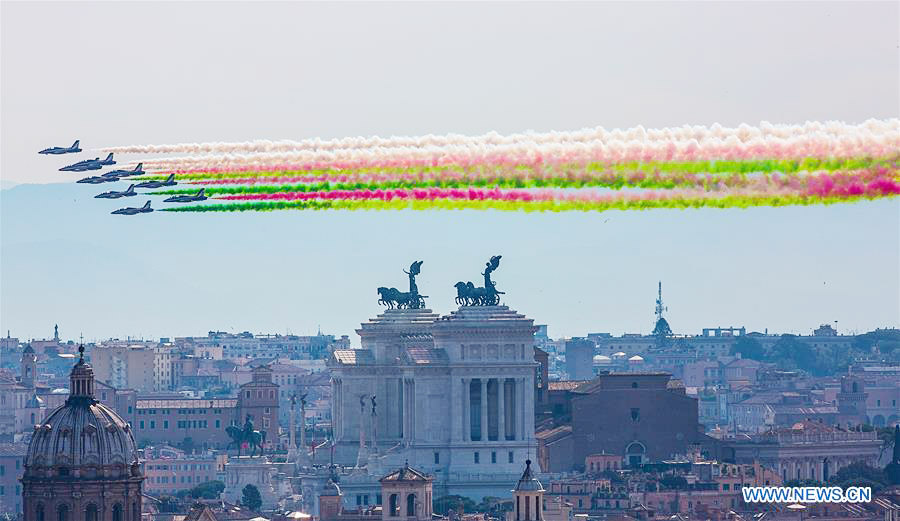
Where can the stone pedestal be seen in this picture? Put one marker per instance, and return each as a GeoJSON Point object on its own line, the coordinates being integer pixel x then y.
{"type": "Point", "coordinates": [251, 470]}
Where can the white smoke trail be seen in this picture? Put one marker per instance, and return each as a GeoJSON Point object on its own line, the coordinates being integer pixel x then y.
{"type": "Point", "coordinates": [879, 141]}
{"type": "Point", "coordinates": [743, 133]}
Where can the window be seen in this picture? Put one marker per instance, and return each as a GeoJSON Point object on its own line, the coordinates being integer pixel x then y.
{"type": "Point", "coordinates": [437, 458]}
{"type": "Point", "coordinates": [39, 512]}
{"type": "Point", "coordinates": [62, 513]}
{"type": "Point", "coordinates": [510, 456]}
{"type": "Point", "coordinates": [165, 424]}
{"type": "Point", "coordinates": [476, 457]}
{"type": "Point", "coordinates": [90, 513]}
{"type": "Point", "coordinates": [218, 424]}
{"type": "Point", "coordinates": [142, 424]}
{"type": "Point", "coordinates": [411, 505]}
{"type": "Point", "coordinates": [493, 456]}
{"type": "Point", "coordinates": [152, 424]}
{"type": "Point", "coordinates": [635, 414]}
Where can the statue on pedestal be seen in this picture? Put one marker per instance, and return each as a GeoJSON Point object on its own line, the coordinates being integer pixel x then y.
{"type": "Point", "coordinates": [469, 295]}
{"type": "Point", "coordinates": [253, 438]}
{"type": "Point", "coordinates": [392, 297]}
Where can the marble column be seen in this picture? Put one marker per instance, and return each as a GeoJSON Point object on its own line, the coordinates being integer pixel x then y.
{"type": "Point", "coordinates": [484, 410]}
{"type": "Point", "coordinates": [501, 409]}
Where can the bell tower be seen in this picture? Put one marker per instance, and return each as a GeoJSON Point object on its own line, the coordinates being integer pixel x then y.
{"type": "Point", "coordinates": [528, 498]}
{"type": "Point", "coordinates": [29, 367]}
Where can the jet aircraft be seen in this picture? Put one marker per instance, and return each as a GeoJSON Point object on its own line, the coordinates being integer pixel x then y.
{"type": "Point", "coordinates": [62, 150]}
{"type": "Point", "coordinates": [132, 211]}
{"type": "Point", "coordinates": [170, 181]}
{"type": "Point", "coordinates": [97, 179]}
{"type": "Point", "coordinates": [138, 170]}
{"type": "Point", "coordinates": [115, 195]}
{"type": "Point", "coordinates": [187, 198]}
{"type": "Point", "coordinates": [82, 166]}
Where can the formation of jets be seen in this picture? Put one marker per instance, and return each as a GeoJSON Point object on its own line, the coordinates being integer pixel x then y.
{"type": "Point", "coordinates": [117, 175]}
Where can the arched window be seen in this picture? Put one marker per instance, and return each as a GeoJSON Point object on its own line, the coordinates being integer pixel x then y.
{"type": "Point", "coordinates": [393, 507]}
{"type": "Point", "coordinates": [411, 505]}
{"type": "Point", "coordinates": [635, 453]}
{"type": "Point", "coordinates": [537, 508]}
{"type": "Point", "coordinates": [117, 512]}
{"type": "Point", "coordinates": [90, 513]}
{"type": "Point", "coordinates": [527, 510]}
{"type": "Point", "coordinates": [39, 513]}
{"type": "Point", "coordinates": [62, 513]}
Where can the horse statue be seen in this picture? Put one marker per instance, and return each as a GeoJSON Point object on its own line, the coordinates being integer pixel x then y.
{"type": "Point", "coordinates": [253, 438]}
{"type": "Point", "coordinates": [394, 298]}
{"type": "Point", "coordinates": [469, 295]}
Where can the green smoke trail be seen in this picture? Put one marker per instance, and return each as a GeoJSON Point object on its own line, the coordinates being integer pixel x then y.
{"type": "Point", "coordinates": [532, 206]}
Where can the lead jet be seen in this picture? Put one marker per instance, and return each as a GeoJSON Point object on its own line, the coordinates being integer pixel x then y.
{"type": "Point", "coordinates": [62, 150]}
{"type": "Point", "coordinates": [170, 181]}
{"type": "Point", "coordinates": [138, 170]}
{"type": "Point", "coordinates": [132, 211]}
{"type": "Point", "coordinates": [187, 198]}
{"type": "Point", "coordinates": [97, 179]}
{"type": "Point", "coordinates": [115, 195]}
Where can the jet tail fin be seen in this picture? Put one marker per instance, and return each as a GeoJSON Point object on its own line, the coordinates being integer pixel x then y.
{"type": "Point", "coordinates": [201, 191]}
{"type": "Point", "coordinates": [109, 157]}
{"type": "Point", "coordinates": [147, 205]}
{"type": "Point", "coordinates": [139, 167]}
{"type": "Point", "coordinates": [171, 178]}
{"type": "Point", "coordinates": [75, 144]}
{"type": "Point", "coordinates": [130, 188]}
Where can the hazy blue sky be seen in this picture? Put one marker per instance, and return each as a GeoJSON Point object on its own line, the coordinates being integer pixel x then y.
{"type": "Point", "coordinates": [112, 73]}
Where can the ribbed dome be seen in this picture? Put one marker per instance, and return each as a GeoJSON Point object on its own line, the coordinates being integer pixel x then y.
{"type": "Point", "coordinates": [81, 436]}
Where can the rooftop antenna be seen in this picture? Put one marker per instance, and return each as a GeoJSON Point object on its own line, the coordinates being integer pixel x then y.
{"type": "Point", "coordinates": [659, 304]}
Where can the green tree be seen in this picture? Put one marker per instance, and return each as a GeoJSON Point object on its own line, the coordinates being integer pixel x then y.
{"type": "Point", "coordinates": [250, 497]}
{"type": "Point", "coordinates": [207, 490]}
{"type": "Point", "coordinates": [860, 475]}
{"type": "Point", "coordinates": [748, 347]}
{"type": "Point", "coordinates": [454, 502]}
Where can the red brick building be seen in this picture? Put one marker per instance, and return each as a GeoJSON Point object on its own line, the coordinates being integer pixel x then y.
{"type": "Point", "coordinates": [643, 417]}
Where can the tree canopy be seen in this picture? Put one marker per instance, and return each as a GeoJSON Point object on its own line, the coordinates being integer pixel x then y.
{"type": "Point", "coordinates": [251, 498]}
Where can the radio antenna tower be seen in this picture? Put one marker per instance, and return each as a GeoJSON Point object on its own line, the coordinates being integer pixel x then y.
{"type": "Point", "coordinates": [659, 304]}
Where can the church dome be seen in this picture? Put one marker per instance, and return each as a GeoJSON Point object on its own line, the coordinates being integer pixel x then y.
{"type": "Point", "coordinates": [82, 437]}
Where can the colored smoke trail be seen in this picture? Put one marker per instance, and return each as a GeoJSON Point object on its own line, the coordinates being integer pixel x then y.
{"type": "Point", "coordinates": [742, 133]}
{"type": "Point", "coordinates": [720, 183]}
{"type": "Point", "coordinates": [292, 173]}
{"type": "Point", "coordinates": [526, 206]}
{"type": "Point", "coordinates": [590, 169]}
